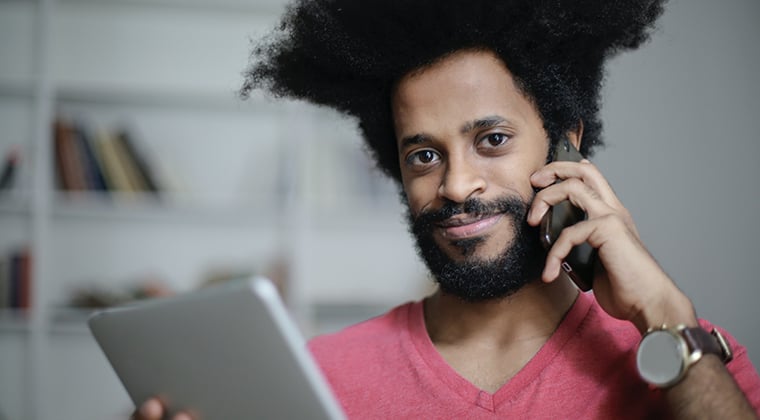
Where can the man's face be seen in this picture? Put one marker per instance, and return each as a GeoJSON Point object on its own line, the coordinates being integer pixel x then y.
{"type": "Point", "coordinates": [468, 142]}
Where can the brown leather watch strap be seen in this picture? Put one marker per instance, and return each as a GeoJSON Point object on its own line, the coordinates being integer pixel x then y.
{"type": "Point", "coordinates": [699, 339]}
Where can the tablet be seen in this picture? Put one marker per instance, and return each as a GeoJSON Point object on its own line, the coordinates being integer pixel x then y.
{"type": "Point", "coordinates": [223, 352]}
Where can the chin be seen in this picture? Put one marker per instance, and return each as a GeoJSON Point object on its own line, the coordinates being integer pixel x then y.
{"type": "Point", "coordinates": [492, 265]}
{"type": "Point", "coordinates": [479, 249]}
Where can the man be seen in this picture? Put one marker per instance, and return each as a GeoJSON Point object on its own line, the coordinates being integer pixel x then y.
{"type": "Point", "coordinates": [462, 104]}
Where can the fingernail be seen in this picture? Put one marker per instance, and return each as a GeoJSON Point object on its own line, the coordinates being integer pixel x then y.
{"type": "Point", "coordinates": [151, 409]}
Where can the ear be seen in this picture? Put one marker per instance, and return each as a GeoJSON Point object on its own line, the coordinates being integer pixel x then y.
{"type": "Point", "coordinates": [575, 136]}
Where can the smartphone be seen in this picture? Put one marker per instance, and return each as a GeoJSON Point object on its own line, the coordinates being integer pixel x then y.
{"type": "Point", "coordinates": [579, 263]}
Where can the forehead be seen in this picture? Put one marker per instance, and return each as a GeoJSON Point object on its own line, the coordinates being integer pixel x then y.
{"type": "Point", "coordinates": [464, 86]}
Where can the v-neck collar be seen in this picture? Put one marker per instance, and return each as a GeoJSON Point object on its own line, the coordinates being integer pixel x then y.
{"type": "Point", "coordinates": [474, 395]}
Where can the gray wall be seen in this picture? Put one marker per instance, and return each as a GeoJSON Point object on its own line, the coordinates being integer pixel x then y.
{"type": "Point", "coordinates": [682, 119]}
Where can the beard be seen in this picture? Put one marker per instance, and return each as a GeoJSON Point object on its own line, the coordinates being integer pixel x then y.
{"type": "Point", "coordinates": [473, 279]}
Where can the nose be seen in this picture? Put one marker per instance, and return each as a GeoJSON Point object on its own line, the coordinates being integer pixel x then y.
{"type": "Point", "coordinates": [461, 180]}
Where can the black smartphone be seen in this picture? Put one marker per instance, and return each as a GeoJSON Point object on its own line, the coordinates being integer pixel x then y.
{"type": "Point", "coordinates": [579, 264]}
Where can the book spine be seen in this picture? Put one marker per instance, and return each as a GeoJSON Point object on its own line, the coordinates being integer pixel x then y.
{"type": "Point", "coordinates": [25, 280]}
{"type": "Point", "coordinates": [137, 155]}
{"type": "Point", "coordinates": [68, 157]}
{"type": "Point", "coordinates": [14, 290]}
{"type": "Point", "coordinates": [92, 167]}
{"type": "Point", "coordinates": [9, 170]}
{"type": "Point", "coordinates": [115, 174]}
{"type": "Point", "coordinates": [135, 179]}
{"type": "Point", "coordinates": [59, 133]}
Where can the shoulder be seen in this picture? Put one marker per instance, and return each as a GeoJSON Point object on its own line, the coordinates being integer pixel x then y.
{"type": "Point", "coordinates": [361, 362]}
{"type": "Point", "coordinates": [364, 340]}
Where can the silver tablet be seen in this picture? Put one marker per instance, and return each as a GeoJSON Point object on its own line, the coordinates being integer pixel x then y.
{"type": "Point", "coordinates": [224, 352]}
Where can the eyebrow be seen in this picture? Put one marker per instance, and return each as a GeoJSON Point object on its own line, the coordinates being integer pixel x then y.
{"type": "Point", "coordinates": [482, 123]}
{"type": "Point", "coordinates": [478, 124]}
{"type": "Point", "coordinates": [414, 140]}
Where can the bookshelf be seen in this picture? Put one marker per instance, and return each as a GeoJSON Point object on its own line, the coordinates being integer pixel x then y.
{"type": "Point", "coordinates": [260, 182]}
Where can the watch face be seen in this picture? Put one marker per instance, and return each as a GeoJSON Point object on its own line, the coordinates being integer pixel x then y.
{"type": "Point", "coordinates": [660, 358]}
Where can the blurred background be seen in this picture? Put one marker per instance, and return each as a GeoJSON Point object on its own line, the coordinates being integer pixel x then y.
{"type": "Point", "coordinates": [130, 169]}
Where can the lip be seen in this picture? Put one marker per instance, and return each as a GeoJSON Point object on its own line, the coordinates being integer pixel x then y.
{"type": "Point", "coordinates": [467, 227]}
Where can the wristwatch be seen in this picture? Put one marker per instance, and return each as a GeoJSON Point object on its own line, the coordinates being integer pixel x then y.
{"type": "Point", "coordinates": [665, 354]}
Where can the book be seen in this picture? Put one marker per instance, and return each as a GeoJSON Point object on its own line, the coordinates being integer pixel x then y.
{"type": "Point", "coordinates": [68, 157]}
{"type": "Point", "coordinates": [14, 281]}
{"type": "Point", "coordinates": [92, 167]}
{"type": "Point", "coordinates": [8, 174]}
{"type": "Point", "coordinates": [24, 279]}
{"type": "Point", "coordinates": [107, 160]}
{"type": "Point", "coordinates": [17, 291]}
{"type": "Point", "coordinates": [115, 174]}
{"type": "Point", "coordinates": [140, 159]}
{"type": "Point", "coordinates": [134, 177]}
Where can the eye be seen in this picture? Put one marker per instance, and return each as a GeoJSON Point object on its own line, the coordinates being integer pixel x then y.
{"type": "Point", "coordinates": [422, 158]}
{"type": "Point", "coordinates": [494, 140]}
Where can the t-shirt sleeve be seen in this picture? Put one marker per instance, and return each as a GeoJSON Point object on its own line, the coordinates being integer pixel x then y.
{"type": "Point", "coordinates": [741, 368]}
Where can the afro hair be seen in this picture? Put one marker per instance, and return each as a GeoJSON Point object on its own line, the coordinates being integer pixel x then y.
{"type": "Point", "coordinates": [349, 54]}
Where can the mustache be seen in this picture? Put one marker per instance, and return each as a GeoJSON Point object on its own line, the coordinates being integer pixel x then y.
{"type": "Point", "coordinates": [508, 205]}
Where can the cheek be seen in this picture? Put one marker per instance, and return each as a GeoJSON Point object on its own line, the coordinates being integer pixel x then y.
{"type": "Point", "coordinates": [512, 177]}
{"type": "Point", "coordinates": [421, 192]}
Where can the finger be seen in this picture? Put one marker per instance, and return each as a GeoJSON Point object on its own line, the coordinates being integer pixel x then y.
{"type": "Point", "coordinates": [584, 170]}
{"type": "Point", "coordinates": [569, 238]}
{"type": "Point", "coordinates": [599, 233]}
{"type": "Point", "coordinates": [150, 410]}
{"type": "Point", "coordinates": [182, 416]}
{"type": "Point", "coordinates": [574, 190]}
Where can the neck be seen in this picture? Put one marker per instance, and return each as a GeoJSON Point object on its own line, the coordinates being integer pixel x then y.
{"type": "Point", "coordinates": [530, 315]}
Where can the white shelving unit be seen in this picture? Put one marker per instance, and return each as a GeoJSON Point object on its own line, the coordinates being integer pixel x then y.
{"type": "Point", "coordinates": [260, 181]}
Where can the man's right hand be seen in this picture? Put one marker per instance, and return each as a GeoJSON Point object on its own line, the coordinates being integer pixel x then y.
{"type": "Point", "coordinates": [152, 409]}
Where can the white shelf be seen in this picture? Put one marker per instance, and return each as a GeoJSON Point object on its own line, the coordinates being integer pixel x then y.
{"type": "Point", "coordinates": [140, 207]}
{"type": "Point", "coordinates": [70, 320]}
{"type": "Point", "coordinates": [63, 321]}
{"type": "Point", "coordinates": [178, 97]}
{"type": "Point", "coordinates": [14, 321]}
{"type": "Point", "coordinates": [17, 88]}
{"type": "Point", "coordinates": [151, 208]}
{"type": "Point", "coordinates": [254, 6]}
{"type": "Point", "coordinates": [14, 203]}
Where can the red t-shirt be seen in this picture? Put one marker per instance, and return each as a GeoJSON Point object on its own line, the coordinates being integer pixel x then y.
{"type": "Point", "coordinates": [387, 367]}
